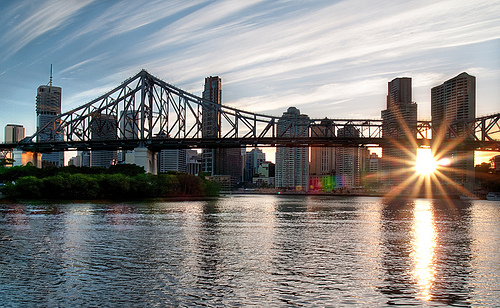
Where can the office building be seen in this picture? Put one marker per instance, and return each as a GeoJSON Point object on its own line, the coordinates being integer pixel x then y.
{"type": "Point", "coordinates": [322, 167]}
{"type": "Point", "coordinates": [103, 127]}
{"type": "Point", "coordinates": [292, 163]}
{"type": "Point", "coordinates": [399, 126]}
{"type": "Point", "coordinates": [453, 103]}
{"type": "Point", "coordinates": [48, 107]}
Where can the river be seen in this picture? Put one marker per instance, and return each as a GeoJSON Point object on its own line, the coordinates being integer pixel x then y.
{"type": "Point", "coordinates": [251, 251]}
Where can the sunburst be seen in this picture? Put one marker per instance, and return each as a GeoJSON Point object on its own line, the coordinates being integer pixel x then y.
{"type": "Point", "coordinates": [427, 169]}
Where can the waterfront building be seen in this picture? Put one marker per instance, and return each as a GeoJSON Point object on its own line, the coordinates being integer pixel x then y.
{"type": "Point", "coordinates": [253, 159]}
{"type": "Point", "coordinates": [348, 160]}
{"type": "Point", "coordinates": [48, 107]}
{"type": "Point", "coordinates": [453, 103]}
{"type": "Point", "coordinates": [292, 163]}
{"type": "Point", "coordinates": [103, 127]}
{"type": "Point", "coordinates": [399, 125]}
{"type": "Point", "coordinates": [322, 167]}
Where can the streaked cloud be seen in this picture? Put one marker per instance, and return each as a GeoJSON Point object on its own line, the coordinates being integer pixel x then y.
{"type": "Point", "coordinates": [321, 56]}
{"type": "Point", "coordinates": [42, 17]}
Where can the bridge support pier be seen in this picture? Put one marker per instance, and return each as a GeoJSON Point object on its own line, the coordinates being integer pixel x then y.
{"type": "Point", "coordinates": [22, 158]}
{"type": "Point", "coordinates": [145, 158]}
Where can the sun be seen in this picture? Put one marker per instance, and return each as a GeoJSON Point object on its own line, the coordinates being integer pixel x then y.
{"type": "Point", "coordinates": [425, 163]}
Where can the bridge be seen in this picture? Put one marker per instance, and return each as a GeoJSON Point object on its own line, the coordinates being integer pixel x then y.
{"type": "Point", "coordinates": [146, 112]}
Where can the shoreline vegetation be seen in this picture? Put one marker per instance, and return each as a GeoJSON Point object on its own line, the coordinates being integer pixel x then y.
{"type": "Point", "coordinates": [120, 182]}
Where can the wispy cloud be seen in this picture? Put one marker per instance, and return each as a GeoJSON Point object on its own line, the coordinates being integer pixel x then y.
{"type": "Point", "coordinates": [321, 56]}
{"type": "Point", "coordinates": [41, 19]}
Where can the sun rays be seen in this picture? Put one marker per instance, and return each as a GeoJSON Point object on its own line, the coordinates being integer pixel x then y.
{"type": "Point", "coordinates": [427, 171]}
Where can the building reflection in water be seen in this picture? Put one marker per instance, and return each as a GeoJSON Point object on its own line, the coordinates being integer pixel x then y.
{"type": "Point", "coordinates": [424, 243]}
{"type": "Point", "coordinates": [396, 258]}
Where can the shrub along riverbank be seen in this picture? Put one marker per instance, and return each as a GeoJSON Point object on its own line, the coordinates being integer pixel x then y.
{"type": "Point", "coordinates": [118, 182]}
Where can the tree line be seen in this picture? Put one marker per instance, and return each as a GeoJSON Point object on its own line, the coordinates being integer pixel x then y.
{"type": "Point", "coordinates": [116, 182]}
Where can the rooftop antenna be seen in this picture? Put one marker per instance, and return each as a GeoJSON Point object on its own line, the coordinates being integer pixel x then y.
{"type": "Point", "coordinates": [50, 82]}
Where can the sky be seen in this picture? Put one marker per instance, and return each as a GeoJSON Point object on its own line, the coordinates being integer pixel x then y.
{"type": "Point", "coordinates": [328, 58]}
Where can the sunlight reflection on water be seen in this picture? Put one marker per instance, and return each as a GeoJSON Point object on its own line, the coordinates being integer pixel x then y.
{"type": "Point", "coordinates": [251, 250]}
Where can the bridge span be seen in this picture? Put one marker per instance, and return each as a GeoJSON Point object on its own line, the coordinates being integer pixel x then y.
{"type": "Point", "coordinates": [145, 111]}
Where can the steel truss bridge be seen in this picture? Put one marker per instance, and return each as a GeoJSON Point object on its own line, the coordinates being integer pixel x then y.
{"type": "Point", "coordinates": [145, 111]}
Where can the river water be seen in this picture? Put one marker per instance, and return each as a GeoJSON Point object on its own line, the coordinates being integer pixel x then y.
{"type": "Point", "coordinates": [251, 250]}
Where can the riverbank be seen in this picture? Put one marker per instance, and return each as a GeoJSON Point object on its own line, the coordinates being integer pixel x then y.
{"type": "Point", "coordinates": [347, 193]}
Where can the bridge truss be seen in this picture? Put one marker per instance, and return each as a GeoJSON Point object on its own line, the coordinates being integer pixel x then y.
{"type": "Point", "coordinates": [146, 111]}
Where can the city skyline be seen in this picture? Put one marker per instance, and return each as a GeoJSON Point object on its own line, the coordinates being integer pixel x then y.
{"type": "Point", "coordinates": [320, 58]}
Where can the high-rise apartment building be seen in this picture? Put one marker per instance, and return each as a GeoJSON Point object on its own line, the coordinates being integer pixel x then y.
{"type": "Point", "coordinates": [399, 125]}
{"type": "Point", "coordinates": [349, 160]}
{"type": "Point", "coordinates": [103, 127]}
{"type": "Point", "coordinates": [217, 161]}
{"type": "Point", "coordinates": [48, 107]}
{"type": "Point", "coordinates": [322, 167]}
{"type": "Point", "coordinates": [453, 104]}
{"type": "Point", "coordinates": [292, 163]}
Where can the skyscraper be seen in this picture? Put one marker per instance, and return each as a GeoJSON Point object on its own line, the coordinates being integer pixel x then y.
{"type": "Point", "coordinates": [322, 167]}
{"type": "Point", "coordinates": [452, 104]}
{"type": "Point", "coordinates": [217, 161]}
{"type": "Point", "coordinates": [399, 125]}
{"type": "Point", "coordinates": [211, 120]}
{"type": "Point", "coordinates": [292, 163]}
{"type": "Point", "coordinates": [48, 107]}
